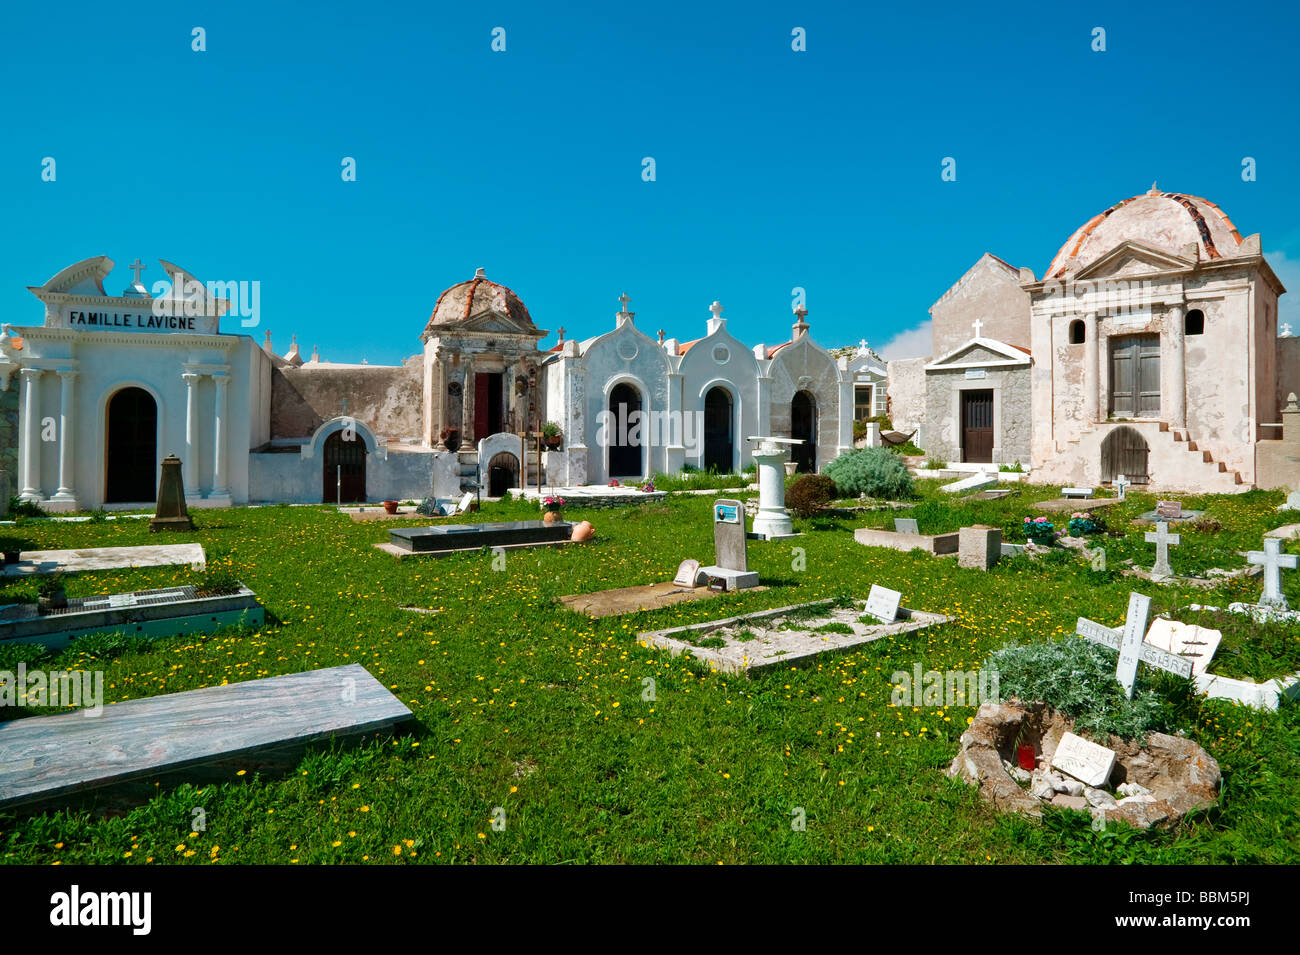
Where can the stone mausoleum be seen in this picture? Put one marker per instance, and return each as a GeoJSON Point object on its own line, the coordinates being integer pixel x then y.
{"type": "Point", "coordinates": [1150, 348]}
{"type": "Point", "coordinates": [103, 387]}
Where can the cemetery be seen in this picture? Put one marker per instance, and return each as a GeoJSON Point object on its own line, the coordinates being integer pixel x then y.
{"type": "Point", "coordinates": [518, 678]}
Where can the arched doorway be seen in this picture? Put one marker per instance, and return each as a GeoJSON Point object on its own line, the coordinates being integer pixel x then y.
{"type": "Point", "coordinates": [624, 433]}
{"type": "Point", "coordinates": [719, 437]}
{"type": "Point", "coordinates": [502, 473]}
{"type": "Point", "coordinates": [344, 472]}
{"type": "Point", "coordinates": [1124, 451]}
{"type": "Point", "coordinates": [132, 447]}
{"type": "Point", "coordinates": [803, 426]}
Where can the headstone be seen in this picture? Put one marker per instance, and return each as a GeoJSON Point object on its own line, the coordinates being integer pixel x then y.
{"type": "Point", "coordinates": [730, 561]}
{"type": "Point", "coordinates": [1292, 502]}
{"type": "Point", "coordinates": [1121, 485]}
{"type": "Point", "coordinates": [906, 525]}
{"type": "Point", "coordinates": [1188, 640]}
{"type": "Point", "coordinates": [1169, 509]}
{"type": "Point", "coordinates": [1163, 540]}
{"type": "Point", "coordinates": [979, 547]}
{"type": "Point", "coordinates": [976, 482]}
{"type": "Point", "coordinates": [1083, 492]}
{"type": "Point", "coordinates": [1273, 561]}
{"type": "Point", "coordinates": [171, 513]}
{"type": "Point", "coordinates": [688, 573]}
{"type": "Point", "coordinates": [1086, 761]}
{"type": "Point", "coordinates": [882, 603]}
{"type": "Point", "coordinates": [466, 500]}
{"type": "Point", "coordinates": [1134, 624]}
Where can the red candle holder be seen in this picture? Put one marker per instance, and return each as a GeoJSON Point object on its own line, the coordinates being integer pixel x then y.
{"type": "Point", "coordinates": [1025, 756]}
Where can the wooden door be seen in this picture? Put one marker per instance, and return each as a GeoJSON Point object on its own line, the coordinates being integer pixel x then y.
{"type": "Point", "coordinates": [1135, 376]}
{"type": "Point", "coordinates": [1124, 451]}
{"type": "Point", "coordinates": [344, 473]}
{"type": "Point", "coordinates": [977, 426]}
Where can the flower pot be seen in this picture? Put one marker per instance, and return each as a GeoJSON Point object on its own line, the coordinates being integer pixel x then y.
{"type": "Point", "coordinates": [550, 517]}
{"type": "Point", "coordinates": [552, 444]}
{"type": "Point", "coordinates": [390, 507]}
{"type": "Point", "coordinates": [582, 531]}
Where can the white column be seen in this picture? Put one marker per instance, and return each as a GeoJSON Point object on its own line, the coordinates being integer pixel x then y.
{"type": "Point", "coordinates": [1177, 391]}
{"type": "Point", "coordinates": [31, 440]}
{"type": "Point", "coordinates": [189, 467]}
{"type": "Point", "coordinates": [67, 435]}
{"type": "Point", "coordinates": [1091, 370]}
{"type": "Point", "coordinates": [220, 424]}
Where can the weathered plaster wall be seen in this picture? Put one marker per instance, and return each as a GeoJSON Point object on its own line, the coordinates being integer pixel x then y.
{"type": "Point", "coordinates": [387, 399]}
{"type": "Point", "coordinates": [401, 474]}
{"type": "Point", "coordinates": [804, 366]}
{"type": "Point", "coordinates": [1288, 371]}
{"type": "Point", "coordinates": [907, 398]}
{"type": "Point", "coordinates": [989, 291]}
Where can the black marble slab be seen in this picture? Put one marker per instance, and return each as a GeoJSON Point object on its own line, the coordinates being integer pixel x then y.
{"type": "Point", "coordinates": [446, 537]}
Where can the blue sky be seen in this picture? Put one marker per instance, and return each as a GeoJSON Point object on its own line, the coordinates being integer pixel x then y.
{"type": "Point", "coordinates": [774, 168]}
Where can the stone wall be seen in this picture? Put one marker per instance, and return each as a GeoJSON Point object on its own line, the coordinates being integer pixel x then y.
{"type": "Point", "coordinates": [906, 392]}
{"type": "Point", "coordinates": [990, 292]}
{"type": "Point", "coordinates": [1012, 421]}
{"type": "Point", "coordinates": [1288, 371]}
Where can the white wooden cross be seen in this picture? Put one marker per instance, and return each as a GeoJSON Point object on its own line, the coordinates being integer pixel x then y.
{"type": "Point", "coordinates": [1273, 561]}
{"type": "Point", "coordinates": [1121, 485]}
{"type": "Point", "coordinates": [1131, 646]}
{"type": "Point", "coordinates": [1163, 540]}
{"type": "Point", "coordinates": [137, 267]}
{"type": "Point", "coordinates": [977, 325]}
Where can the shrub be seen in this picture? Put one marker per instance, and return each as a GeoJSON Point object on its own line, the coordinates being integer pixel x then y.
{"type": "Point", "coordinates": [935, 464]}
{"type": "Point", "coordinates": [20, 508]}
{"type": "Point", "coordinates": [809, 495]}
{"type": "Point", "coordinates": [1078, 679]}
{"type": "Point", "coordinates": [875, 472]}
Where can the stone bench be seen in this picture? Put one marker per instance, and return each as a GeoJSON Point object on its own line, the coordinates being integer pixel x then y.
{"type": "Point", "coordinates": [1079, 492]}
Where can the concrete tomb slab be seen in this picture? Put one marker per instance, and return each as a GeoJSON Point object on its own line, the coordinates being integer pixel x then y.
{"type": "Point", "coordinates": [1077, 492]}
{"type": "Point", "coordinates": [49, 760]}
{"type": "Point", "coordinates": [937, 544]}
{"type": "Point", "coordinates": [977, 481]}
{"type": "Point", "coordinates": [106, 558]}
{"type": "Point", "coordinates": [450, 538]}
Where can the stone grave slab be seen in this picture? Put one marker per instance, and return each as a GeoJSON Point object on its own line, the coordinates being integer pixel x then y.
{"type": "Point", "coordinates": [1086, 761]}
{"type": "Point", "coordinates": [48, 760]}
{"type": "Point", "coordinates": [163, 612]}
{"type": "Point", "coordinates": [621, 600]}
{"type": "Point", "coordinates": [1169, 510]}
{"type": "Point", "coordinates": [768, 639]}
{"type": "Point", "coordinates": [688, 573]}
{"type": "Point", "coordinates": [976, 482]}
{"type": "Point", "coordinates": [937, 544]}
{"type": "Point", "coordinates": [106, 558]}
{"type": "Point", "coordinates": [453, 538]}
{"type": "Point", "coordinates": [1285, 532]}
{"type": "Point", "coordinates": [906, 525]}
{"type": "Point", "coordinates": [883, 603]}
{"type": "Point", "coordinates": [1057, 504]}
{"type": "Point", "coordinates": [1188, 640]}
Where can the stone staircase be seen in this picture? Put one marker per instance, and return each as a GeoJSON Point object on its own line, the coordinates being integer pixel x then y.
{"type": "Point", "coordinates": [1175, 462]}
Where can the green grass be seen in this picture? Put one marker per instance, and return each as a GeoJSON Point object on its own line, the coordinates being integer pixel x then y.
{"type": "Point", "coordinates": [702, 481]}
{"type": "Point", "coordinates": [600, 750]}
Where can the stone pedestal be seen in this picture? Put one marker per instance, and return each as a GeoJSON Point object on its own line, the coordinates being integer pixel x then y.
{"type": "Point", "coordinates": [171, 513]}
{"type": "Point", "coordinates": [772, 519]}
{"type": "Point", "coordinates": [979, 547]}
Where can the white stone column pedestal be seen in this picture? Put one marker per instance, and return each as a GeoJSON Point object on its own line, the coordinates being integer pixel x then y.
{"type": "Point", "coordinates": [67, 439]}
{"type": "Point", "coordinates": [220, 494]}
{"type": "Point", "coordinates": [189, 466]}
{"type": "Point", "coordinates": [30, 463]}
{"type": "Point", "coordinates": [772, 519]}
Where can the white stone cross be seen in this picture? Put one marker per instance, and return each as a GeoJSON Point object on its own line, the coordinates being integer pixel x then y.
{"type": "Point", "coordinates": [1163, 540]}
{"type": "Point", "coordinates": [624, 299]}
{"type": "Point", "coordinates": [1130, 644]}
{"type": "Point", "coordinates": [716, 309]}
{"type": "Point", "coordinates": [1286, 330]}
{"type": "Point", "coordinates": [1273, 561]}
{"type": "Point", "coordinates": [1121, 485]}
{"type": "Point", "coordinates": [977, 325]}
{"type": "Point", "coordinates": [137, 267]}
{"type": "Point", "coordinates": [862, 347]}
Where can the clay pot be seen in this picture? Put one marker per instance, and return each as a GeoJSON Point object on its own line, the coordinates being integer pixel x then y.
{"type": "Point", "coordinates": [550, 517]}
{"type": "Point", "coordinates": [390, 507]}
{"type": "Point", "coordinates": [582, 531]}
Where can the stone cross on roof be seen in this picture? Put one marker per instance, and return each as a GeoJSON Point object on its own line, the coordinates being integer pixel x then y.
{"type": "Point", "coordinates": [977, 325]}
{"type": "Point", "coordinates": [716, 309]}
{"type": "Point", "coordinates": [801, 311]}
{"type": "Point", "coordinates": [1273, 561]}
{"type": "Point", "coordinates": [862, 346]}
{"type": "Point", "coordinates": [1162, 539]}
{"type": "Point", "coordinates": [560, 331]}
{"type": "Point", "coordinates": [624, 299]}
{"type": "Point", "coordinates": [137, 267]}
{"type": "Point", "coordinates": [661, 336]}
{"type": "Point", "coordinates": [1286, 330]}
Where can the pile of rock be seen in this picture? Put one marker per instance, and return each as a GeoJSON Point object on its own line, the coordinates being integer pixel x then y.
{"type": "Point", "coordinates": [1153, 783]}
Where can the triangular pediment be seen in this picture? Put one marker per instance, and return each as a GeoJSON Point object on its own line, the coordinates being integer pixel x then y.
{"type": "Point", "coordinates": [1131, 259]}
{"type": "Point", "coordinates": [493, 322]}
{"type": "Point", "coordinates": [980, 353]}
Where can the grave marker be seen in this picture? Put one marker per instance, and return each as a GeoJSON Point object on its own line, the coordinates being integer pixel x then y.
{"type": "Point", "coordinates": [1086, 761]}
{"type": "Point", "coordinates": [729, 546]}
{"type": "Point", "coordinates": [1130, 644]}
{"type": "Point", "coordinates": [882, 603]}
{"type": "Point", "coordinates": [906, 525]}
{"type": "Point", "coordinates": [1163, 541]}
{"type": "Point", "coordinates": [1186, 640]}
{"type": "Point", "coordinates": [1273, 561]}
{"type": "Point", "coordinates": [688, 573]}
{"type": "Point", "coordinates": [1169, 509]}
{"type": "Point", "coordinates": [1083, 492]}
{"type": "Point", "coordinates": [1121, 485]}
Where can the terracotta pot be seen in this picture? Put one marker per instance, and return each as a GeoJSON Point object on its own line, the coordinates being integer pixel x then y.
{"type": "Point", "coordinates": [550, 517]}
{"type": "Point", "coordinates": [582, 531]}
{"type": "Point", "coordinates": [390, 507]}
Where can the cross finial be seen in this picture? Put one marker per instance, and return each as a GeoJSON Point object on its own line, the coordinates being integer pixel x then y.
{"type": "Point", "coordinates": [800, 311]}
{"type": "Point", "coordinates": [978, 324]}
{"type": "Point", "coordinates": [661, 336]}
{"type": "Point", "coordinates": [862, 346]}
{"type": "Point", "coordinates": [624, 299]}
{"type": "Point", "coordinates": [716, 309]}
{"type": "Point", "coordinates": [137, 267]}
{"type": "Point", "coordinates": [1155, 191]}
{"type": "Point", "coordinates": [1286, 330]}
{"type": "Point", "coordinates": [560, 330]}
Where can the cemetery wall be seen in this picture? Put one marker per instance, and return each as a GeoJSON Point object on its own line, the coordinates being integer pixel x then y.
{"type": "Point", "coordinates": [1288, 370]}
{"type": "Point", "coordinates": [906, 392]}
{"type": "Point", "coordinates": [388, 399]}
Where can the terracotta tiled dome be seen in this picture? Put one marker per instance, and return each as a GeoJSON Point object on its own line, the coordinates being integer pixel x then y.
{"type": "Point", "coordinates": [1168, 221]}
{"type": "Point", "coordinates": [468, 299]}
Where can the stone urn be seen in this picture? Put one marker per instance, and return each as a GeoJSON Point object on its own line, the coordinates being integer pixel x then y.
{"type": "Point", "coordinates": [582, 531]}
{"type": "Point", "coordinates": [390, 507]}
